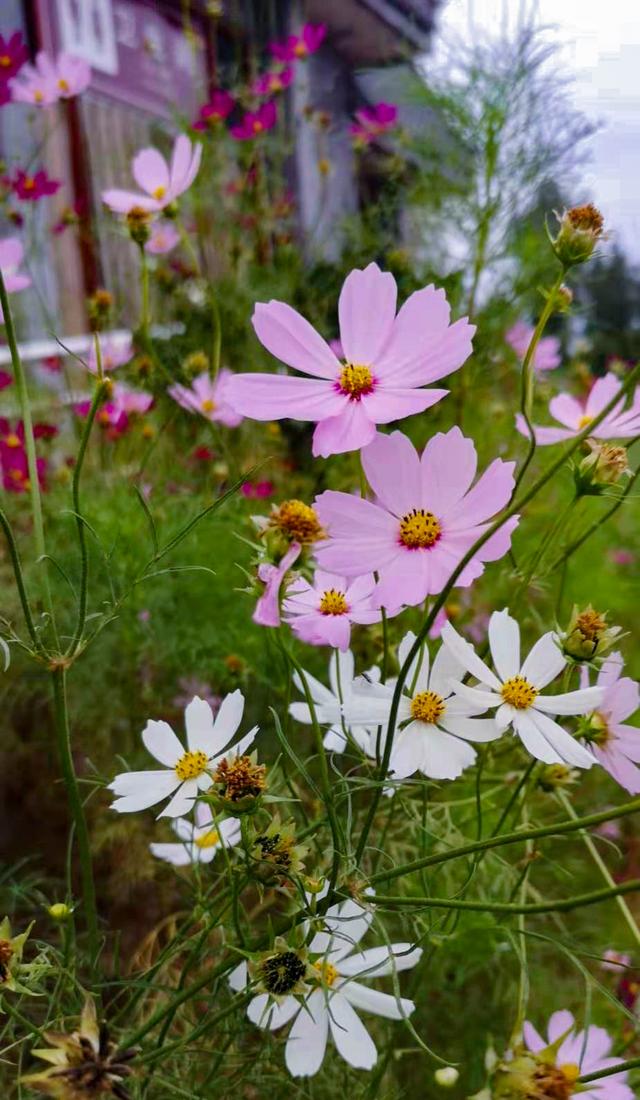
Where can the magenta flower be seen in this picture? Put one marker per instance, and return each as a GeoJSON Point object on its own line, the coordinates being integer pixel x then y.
{"type": "Point", "coordinates": [214, 112]}
{"type": "Point", "coordinates": [13, 54]}
{"type": "Point", "coordinates": [580, 1053]}
{"type": "Point", "coordinates": [208, 397]}
{"type": "Point", "coordinates": [6, 379]}
{"type": "Point", "coordinates": [31, 188]}
{"type": "Point", "coordinates": [614, 744]}
{"type": "Point", "coordinates": [123, 403]}
{"type": "Point", "coordinates": [258, 490]}
{"type": "Point", "coordinates": [576, 415]}
{"type": "Point", "coordinates": [13, 460]}
{"type": "Point", "coordinates": [424, 520]}
{"type": "Point", "coordinates": [321, 613]}
{"type": "Point", "coordinates": [255, 123]}
{"type": "Point", "coordinates": [374, 121]}
{"type": "Point", "coordinates": [272, 82]}
{"type": "Point", "coordinates": [547, 354]}
{"type": "Point", "coordinates": [267, 609]}
{"type": "Point", "coordinates": [50, 80]}
{"type": "Point", "coordinates": [162, 183]}
{"type": "Point", "coordinates": [164, 237]}
{"type": "Point", "coordinates": [388, 359]}
{"type": "Point", "coordinates": [298, 46]}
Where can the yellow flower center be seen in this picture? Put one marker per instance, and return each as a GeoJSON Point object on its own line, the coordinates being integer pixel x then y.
{"type": "Point", "coordinates": [63, 85]}
{"type": "Point", "coordinates": [333, 603]}
{"type": "Point", "coordinates": [159, 192]}
{"type": "Point", "coordinates": [298, 520]}
{"type": "Point", "coordinates": [5, 61]}
{"type": "Point", "coordinates": [257, 126]}
{"type": "Point", "coordinates": [191, 765]}
{"type": "Point", "coordinates": [208, 840]}
{"type": "Point", "coordinates": [38, 96]}
{"type": "Point", "coordinates": [571, 1071]}
{"type": "Point", "coordinates": [583, 421]}
{"type": "Point", "coordinates": [419, 529]}
{"type": "Point", "coordinates": [428, 707]}
{"type": "Point", "coordinates": [208, 405]}
{"type": "Point", "coordinates": [518, 692]}
{"type": "Point", "coordinates": [12, 440]}
{"type": "Point", "coordinates": [29, 183]}
{"type": "Point", "coordinates": [300, 50]}
{"type": "Point", "coordinates": [327, 972]}
{"type": "Point", "coordinates": [356, 380]}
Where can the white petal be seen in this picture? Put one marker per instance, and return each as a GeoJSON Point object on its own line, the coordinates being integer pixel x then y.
{"type": "Point", "coordinates": [198, 718]}
{"type": "Point", "coordinates": [377, 962]}
{"type": "Point", "coordinates": [504, 642]}
{"type": "Point", "coordinates": [571, 751]}
{"type": "Point", "coordinates": [505, 716]}
{"type": "Point", "coordinates": [570, 702]}
{"type": "Point", "coordinates": [468, 657]}
{"type": "Point", "coordinates": [444, 756]}
{"type": "Point", "coordinates": [227, 721]}
{"type": "Point", "coordinates": [265, 1012]}
{"type": "Point", "coordinates": [472, 729]}
{"type": "Point", "coordinates": [238, 978]}
{"type": "Point", "coordinates": [318, 692]}
{"type": "Point", "coordinates": [349, 1034]}
{"type": "Point", "coordinates": [185, 831]}
{"type": "Point", "coordinates": [160, 740]}
{"type": "Point", "coordinates": [446, 667]}
{"type": "Point", "coordinates": [533, 740]}
{"type": "Point", "coordinates": [479, 696]}
{"type": "Point", "coordinates": [180, 855]}
{"type": "Point", "coordinates": [142, 789]}
{"type": "Point", "coordinates": [381, 1004]}
{"type": "Point", "coordinates": [341, 670]}
{"type": "Point", "coordinates": [307, 1040]}
{"type": "Point", "coordinates": [346, 925]}
{"type": "Point", "coordinates": [182, 801]}
{"type": "Point", "coordinates": [335, 740]}
{"type": "Point", "coordinates": [545, 661]}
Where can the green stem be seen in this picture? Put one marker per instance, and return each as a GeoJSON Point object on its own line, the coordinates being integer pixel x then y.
{"type": "Point", "coordinates": [620, 1067]}
{"type": "Point", "coordinates": [560, 905]}
{"type": "Point", "coordinates": [602, 867]}
{"type": "Point", "coordinates": [517, 837]}
{"type": "Point", "coordinates": [145, 316]}
{"type": "Point", "coordinates": [20, 585]}
{"type": "Point", "coordinates": [591, 530]}
{"type": "Point", "coordinates": [63, 736]}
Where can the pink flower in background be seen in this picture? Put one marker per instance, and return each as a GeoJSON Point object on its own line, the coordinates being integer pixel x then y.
{"type": "Point", "coordinates": [52, 364]}
{"type": "Point", "coordinates": [621, 557]}
{"type": "Point", "coordinates": [425, 518]}
{"type": "Point", "coordinates": [614, 744]}
{"type": "Point", "coordinates": [208, 396]}
{"type": "Point", "coordinates": [31, 188]}
{"type": "Point", "coordinates": [214, 112]}
{"type": "Point", "coordinates": [575, 415]}
{"type": "Point", "coordinates": [615, 960]}
{"type": "Point", "coordinates": [298, 46]}
{"type": "Point", "coordinates": [272, 82]}
{"type": "Point", "coordinates": [6, 379]}
{"type": "Point", "coordinates": [255, 123]}
{"type": "Point", "coordinates": [438, 623]}
{"type": "Point", "coordinates": [581, 1053]}
{"type": "Point", "coordinates": [13, 54]}
{"type": "Point", "coordinates": [161, 182]}
{"type": "Point", "coordinates": [193, 685]}
{"type": "Point", "coordinates": [374, 121]}
{"type": "Point", "coordinates": [49, 80]}
{"type": "Point", "coordinates": [13, 460]}
{"type": "Point", "coordinates": [388, 359]}
{"type": "Point", "coordinates": [71, 75]}
{"type": "Point", "coordinates": [547, 354]}
{"type": "Point", "coordinates": [11, 257]}
{"type": "Point", "coordinates": [123, 403]}
{"type": "Point", "coordinates": [267, 609]}
{"type": "Point", "coordinates": [321, 613]}
{"type": "Point", "coordinates": [114, 354]}
{"type": "Point", "coordinates": [164, 237]}
{"type": "Point", "coordinates": [259, 490]}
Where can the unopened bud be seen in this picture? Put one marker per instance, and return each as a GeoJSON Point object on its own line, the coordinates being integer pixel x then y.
{"type": "Point", "coordinates": [99, 307]}
{"type": "Point", "coordinates": [580, 230]}
{"type": "Point", "coordinates": [195, 363]}
{"type": "Point", "coordinates": [139, 225]}
{"type": "Point", "coordinates": [605, 464]}
{"type": "Point", "coordinates": [314, 885]}
{"type": "Point", "coordinates": [564, 298]}
{"type": "Point", "coordinates": [59, 911]}
{"type": "Point", "coordinates": [588, 635]}
{"type": "Point", "coordinates": [557, 777]}
{"type": "Point", "coordinates": [446, 1077]}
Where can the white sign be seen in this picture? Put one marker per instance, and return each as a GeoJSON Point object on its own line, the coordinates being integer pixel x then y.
{"type": "Point", "coordinates": [87, 30]}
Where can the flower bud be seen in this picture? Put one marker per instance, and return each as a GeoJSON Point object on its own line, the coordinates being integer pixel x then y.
{"type": "Point", "coordinates": [99, 307]}
{"type": "Point", "coordinates": [238, 783]}
{"type": "Point", "coordinates": [563, 299]}
{"type": "Point", "coordinates": [139, 225]}
{"type": "Point", "coordinates": [604, 465]}
{"type": "Point", "coordinates": [275, 853]}
{"type": "Point", "coordinates": [446, 1077]}
{"type": "Point", "coordinates": [580, 230]}
{"type": "Point", "coordinates": [195, 363]}
{"type": "Point", "coordinates": [588, 636]}
{"type": "Point", "coordinates": [557, 777]}
{"type": "Point", "coordinates": [59, 911]}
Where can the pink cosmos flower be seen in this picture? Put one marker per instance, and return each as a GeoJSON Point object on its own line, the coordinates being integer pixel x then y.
{"type": "Point", "coordinates": [321, 613]}
{"type": "Point", "coordinates": [13, 54]}
{"type": "Point", "coordinates": [267, 609]}
{"type": "Point", "coordinates": [587, 1051]}
{"type": "Point", "coordinates": [388, 359]}
{"type": "Point", "coordinates": [164, 237]}
{"type": "Point", "coordinates": [615, 960]}
{"type": "Point", "coordinates": [31, 188]}
{"type": "Point", "coordinates": [374, 121]}
{"type": "Point", "coordinates": [14, 464]}
{"type": "Point", "coordinates": [299, 46]}
{"type": "Point", "coordinates": [162, 183]}
{"type": "Point", "coordinates": [115, 413]}
{"type": "Point", "coordinates": [50, 80]}
{"type": "Point", "coordinates": [208, 397]}
{"type": "Point", "coordinates": [255, 123]}
{"type": "Point", "coordinates": [272, 82]}
{"type": "Point", "coordinates": [259, 490]}
{"type": "Point", "coordinates": [575, 415]}
{"type": "Point", "coordinates": [424, 520]}
{"type": "Point", "coordinates": [621, 557]}
{"type": "Point", "coordinates": [214, 112]}
{"type": "Point", "coordinates": [11, 257]}
{"type": "Point", "coordinates": [547, 354]}
{"type": "Point", "coordinates": [614, 744]}
{"type": "Point", "coordinates": [114, 354]}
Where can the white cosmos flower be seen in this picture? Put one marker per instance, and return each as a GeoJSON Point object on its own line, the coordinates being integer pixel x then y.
{"type": "Point", "coordinates": [186, 771]}
{"type": "Point", "coordinates": [328, 702]}
{"type": "Point", "coordinates": [434, 727]}
{"type": "Point", "coordinates": [515, 690]}
{"type": "Point", "coordinates": [330, 1005]}
{"type": "Point", "coordinates": [200, 840]}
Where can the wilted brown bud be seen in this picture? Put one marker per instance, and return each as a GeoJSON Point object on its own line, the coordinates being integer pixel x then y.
{"type": "Point", "coordinates": [139, 225]}
{"type": "Point", "coordinates": [238, 783]}
{"type": "Point", "coordinates": [234, 664]}
{"type": "Point", "coordinates": [580, 230]}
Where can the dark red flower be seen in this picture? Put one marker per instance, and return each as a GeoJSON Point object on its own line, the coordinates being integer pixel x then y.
{"type": "Point", "coordinates": [13, 54]}
{"type": "Point", "coordinates": [30, 188]}
{"type": "Point", "coordinates": [214, 112]}
{"type": "Point", "coordinates": [6, 379]}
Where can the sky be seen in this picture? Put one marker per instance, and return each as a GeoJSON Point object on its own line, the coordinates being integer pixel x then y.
{"type": "Point", "coordinates": [600, 43]}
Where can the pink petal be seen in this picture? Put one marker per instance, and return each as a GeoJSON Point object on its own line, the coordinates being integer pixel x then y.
{"type": "Point", "coordinates": [392, 468]}
{"type": "Point", "coordinates": [533, 1040]}
{"type": "Point", "coordinates": [448, 466]}
{"type": "Point", "coordinates": [319, 629]}
{"type": "Point", "coordinates": [180, 162]}
{"type": "Point", "coordinates": [366, 308]}
{"type": "Point", "coordinates": [435, 355]}
{"type": "Point", "coordinates": [405, 580]}
{"type": "Point", "coordinates": [275, 396]}
{"type": "Point", "coordinates": [423, 318]}
{"type": "Point", "coordinates": [150, 170]}
{"type": "Point", "coordinates": [489, 495]}
{"type": "Point", "coordinates": [350, 430]}
{"type": "Point", "coordinates": [386, 404]}
{"type": "Point", "coordinates": [544, 436]}
{"type": "Point", "coordinates": [288, 336]}
{"type": "Point", "coordinates": [566, 410]}
{"type": "Point", "coordinates": [122, 201]}
{"type": "Point", "coordinates": [602, 391]}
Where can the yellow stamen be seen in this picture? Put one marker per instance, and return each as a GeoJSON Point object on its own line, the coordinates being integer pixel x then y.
{"type": "Point", "coordinates": [300, 50]}
{"type": "Point", "coordinates": [38, 96]}
{"type": "Point", "coordinates": [583, 421]}
{"type": "Point", "coordinates": [191, 765]}
{"type": "Point", "coordinates": [29, 183]}
{"type": "Point", "coordinates": [159, 193]}
{"type": "Point", "coordinates": [356, 380]}
{"type": "Point", "coordinates": [333, 603]}
{"type": "Point", "coordinates": [419, 529]}
{"type": "Point", "coordinates": [63, 85]}
{"type": "Point", "coordinates": [208, 405]}
{"type": "Point", "coordinates": [12, 440]}
{"type": "Point", "coordinates": [571, 1072]}
{"type": "Point", "coordinates": [298, 520]}
{"type": "Point", "coordinates": [208, 840]}
{"type": "Point", "coordinates": [518, 692]}
{"type": "Point", "coordinates": [327, 972]}
{"type": "Point", "coordinates": [5, 61]}
{"type": "Point", "coordinates": [427, 706]}
{"type": "Point", "coordinates": [257, 126]}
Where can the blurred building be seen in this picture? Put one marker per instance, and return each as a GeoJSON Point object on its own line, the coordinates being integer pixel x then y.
{"type": "Point", "coordinates": [152, 64]}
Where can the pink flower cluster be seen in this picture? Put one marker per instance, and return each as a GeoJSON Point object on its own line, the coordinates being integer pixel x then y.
{"type": "Point", "coordinates": [50, 79]}
{"type": "Point", "coordinates": [13, 54]}
{"type": "Point", "coordinates": [116, 413]}
{"type": "Point", "coordinates": [547, 354]}
{"type": "Point", "coordinates": [575, 415]}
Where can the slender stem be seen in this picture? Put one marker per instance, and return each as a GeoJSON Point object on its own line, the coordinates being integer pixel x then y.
{"type": "Point", "coordinates": [145, 316]}
{"type": "Point", "coordinates": [620, 1067]}
{"type": "Point", "coordinates": [577, 543]}
{"type": "Point", "coordinates": [18, 574]}
{"type": "Point", "coordinates": [560, 905]}
{"type": "Point", "coordinates": [602, 867]}
{"type": "Point", "coordinates": [524, 779]}
{"type": "Point", "coordinates": [517, 837]}
{"type": "Point", "coordinates": [61, 715]}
